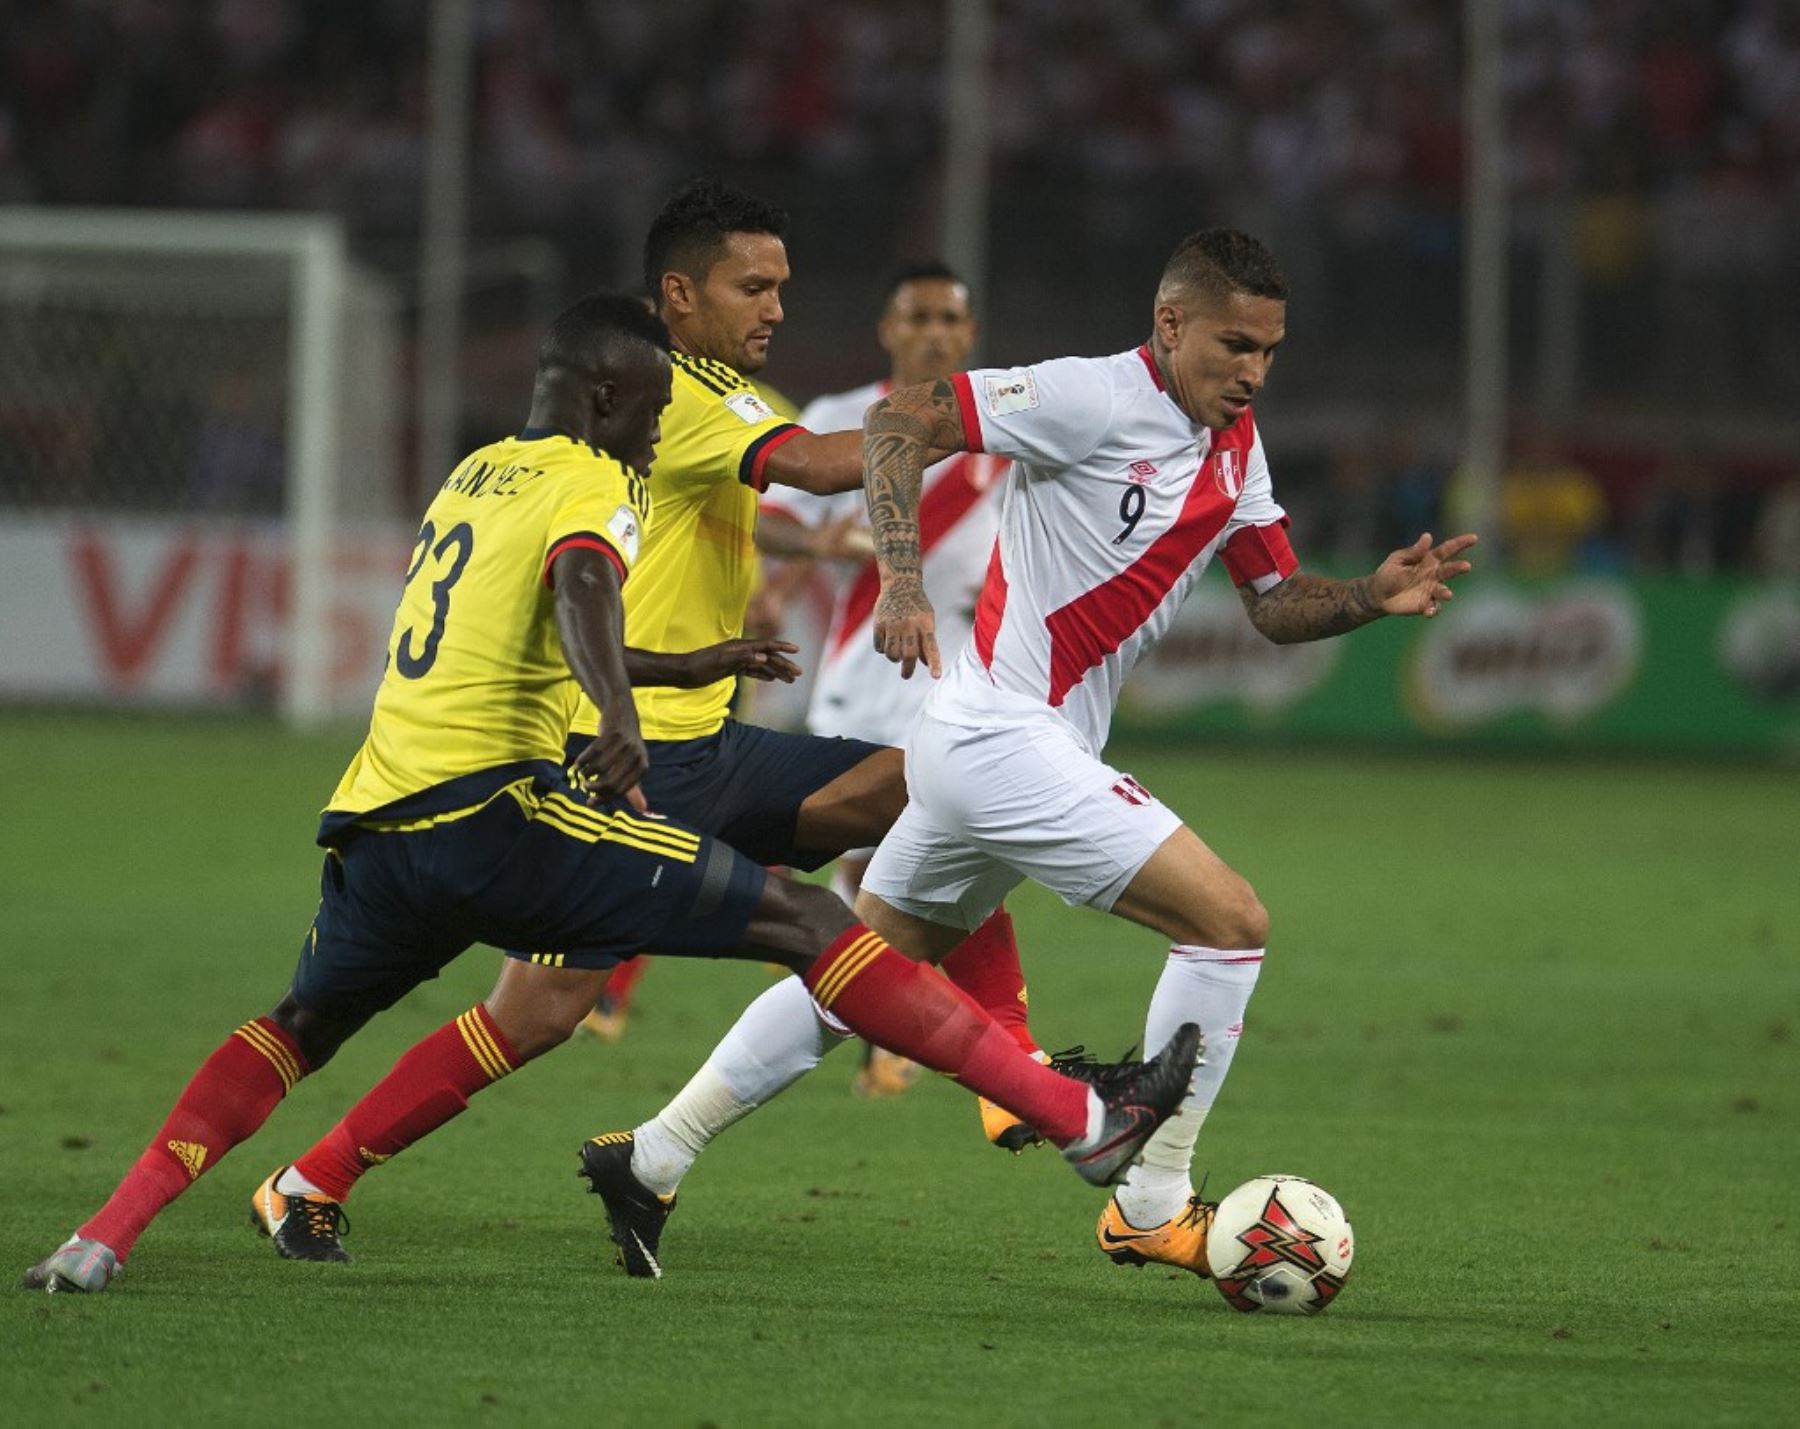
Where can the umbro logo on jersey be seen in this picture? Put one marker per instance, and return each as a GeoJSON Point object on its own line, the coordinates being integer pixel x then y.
{"type": "Point", "coordinates": [1228, 472]}
{"type": "Point", "coordinates": [1141, 472]}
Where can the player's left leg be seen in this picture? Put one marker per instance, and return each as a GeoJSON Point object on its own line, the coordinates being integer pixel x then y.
{"type": "Point", "coordinates": [351, 966]}
{"type": "Point", "coordinates": [1218, 930]}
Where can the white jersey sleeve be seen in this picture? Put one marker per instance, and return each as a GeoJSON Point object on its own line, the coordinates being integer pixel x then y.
{"type": "Point", "coordinates": [1049, 415]}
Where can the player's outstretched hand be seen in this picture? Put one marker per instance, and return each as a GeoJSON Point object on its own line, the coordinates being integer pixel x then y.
{"type": "Point", "coordinates": [906, 629]}
{"type": "Point", "coordinates": [611, 767]}
{"type": "Point", "coordinates": [1415, 579]}
{"type": "Point", "coordinates": [754, 659]}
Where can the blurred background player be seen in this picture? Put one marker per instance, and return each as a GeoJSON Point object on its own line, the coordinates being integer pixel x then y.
{"type": "Point", "coordinates": [927, 327]}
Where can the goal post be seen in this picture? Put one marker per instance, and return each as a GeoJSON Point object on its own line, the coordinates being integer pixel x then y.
{"type": "Point", "coordinates": [159, 313]}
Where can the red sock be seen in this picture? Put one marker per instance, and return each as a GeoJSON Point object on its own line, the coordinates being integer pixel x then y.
{"type": "Point", "coordinates": [228, 1099]}
{"type": "Point", "coordinates": [908, 1008]}
{"type": "Point", "coordinates": [622, 979]}
{"type": "Point", "coordinates": [429, 1085]}
{"type": "Point", "coordinates": [986, 966]}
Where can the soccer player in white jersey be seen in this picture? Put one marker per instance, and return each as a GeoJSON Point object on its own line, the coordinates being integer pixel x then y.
{"type": "Point", "coordinates": [927, 328]}
{"type": "Point", "coordinates": [1129, 474]}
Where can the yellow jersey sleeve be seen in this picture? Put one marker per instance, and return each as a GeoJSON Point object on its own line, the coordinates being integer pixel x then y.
{"type": "Point", "coordinates": [476, 692]}
{"type": "Point", "coordinates": [698, 565]}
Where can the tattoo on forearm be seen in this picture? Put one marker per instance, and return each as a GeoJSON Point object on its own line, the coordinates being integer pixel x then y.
{"type": "Point", "coordinates": [898, 433]}
{"type": "Point", "coordinates": [1307, 607]}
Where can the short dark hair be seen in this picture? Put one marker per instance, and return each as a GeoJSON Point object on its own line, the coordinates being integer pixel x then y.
{"type": "Point", "coordinates": [921, 271]}
{"type": "Point", "coordinates": [1221, 261]}
{"type": "Point", "coordinates": [686, 236]}
{"type": "Point", "coordinates": [578, 337]}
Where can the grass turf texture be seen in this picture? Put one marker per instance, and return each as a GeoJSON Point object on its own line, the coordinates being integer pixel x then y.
{"type": "Point", "coordinates": [1532, 1024]}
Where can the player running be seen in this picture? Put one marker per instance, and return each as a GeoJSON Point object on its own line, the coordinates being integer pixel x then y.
{"type": "Point", "coordinates": [927, 327]}
{"type": "Point", "coordinates": [456, 823]}
{"type": "Point", "coordinates": [1129, 473]}
{"type": "Point", "coordinates": [716, 261]}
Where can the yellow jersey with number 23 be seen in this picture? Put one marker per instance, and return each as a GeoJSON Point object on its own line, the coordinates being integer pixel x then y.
{"type": "Point", "coordinates": [477, 691]}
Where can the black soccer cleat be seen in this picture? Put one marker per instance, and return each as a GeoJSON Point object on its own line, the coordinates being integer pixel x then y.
{"type": "Point", "coordinates": [636, 1213]}
{"type": "Point", "coordinates": [1135, 1105]}
{"type": "Point", "coordinates": [301, 1227]}
{"type": "Point", "coordinates": [1007, 1132]}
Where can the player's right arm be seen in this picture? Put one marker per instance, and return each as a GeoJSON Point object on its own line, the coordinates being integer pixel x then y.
{"type": "Point", "coordinates": [899, 433]}
{"type": "Point", "coordinates": [590, 621]}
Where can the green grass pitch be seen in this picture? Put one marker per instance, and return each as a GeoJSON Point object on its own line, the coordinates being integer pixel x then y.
{"type": "Point", "coordinates": [1533, 1024]}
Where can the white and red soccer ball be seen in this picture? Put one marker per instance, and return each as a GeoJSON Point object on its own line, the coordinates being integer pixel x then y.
{"type": "Point", "coordinates": [1280, 1244]}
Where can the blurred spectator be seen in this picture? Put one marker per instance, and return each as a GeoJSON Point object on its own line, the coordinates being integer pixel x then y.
{"type": "Point", "coordinates": [1551, 509]}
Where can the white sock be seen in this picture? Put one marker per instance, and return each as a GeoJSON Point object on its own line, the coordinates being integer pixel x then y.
{"type": "Point", "coordinates": [291, 1183]}
{"type": "Point", "coordinates": [1096, 1123]}
{"type": "Point", "coordinates": [779, 1039]}
{"type": "Point", "coordinates": [1212, 987]}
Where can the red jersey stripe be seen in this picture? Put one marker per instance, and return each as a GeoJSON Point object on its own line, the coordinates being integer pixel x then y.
{"type": "Point", "coordinates": [1095, 624]}
{"type": "Point", "coordinates": [951, 497]}
{"type": "Point", "coordinates": [990, 610]}
{"type": "Point", "coordinates": [1150, 362]}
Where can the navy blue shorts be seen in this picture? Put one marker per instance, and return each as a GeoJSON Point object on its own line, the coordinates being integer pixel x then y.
{"type": "Point", "coordinates": [746, 784]}
{"type": "Point", "coordinates": [535, 868]}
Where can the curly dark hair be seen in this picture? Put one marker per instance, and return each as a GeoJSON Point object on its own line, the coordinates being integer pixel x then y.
{"type": "Point", "coordinates": [689, 232]}
{"type": "Point", "coordinates": [1221, 261]}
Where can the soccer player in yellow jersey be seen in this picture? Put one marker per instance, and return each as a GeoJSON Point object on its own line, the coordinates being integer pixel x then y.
{"type": "Point", "coordinates": [456, 823]}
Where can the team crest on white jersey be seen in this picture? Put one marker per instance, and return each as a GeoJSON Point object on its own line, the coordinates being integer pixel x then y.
{"type": "Point", "coordinates": [1228, 472]}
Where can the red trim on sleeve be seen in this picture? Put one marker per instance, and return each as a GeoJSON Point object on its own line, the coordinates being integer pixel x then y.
{"type": "Point", "coordinates": [971, 418]}
{"type": "Point", "coordinates": [1259, 551]}
{"type": "Point", "coordinates": [584, 541]}
{"type": "Point", "coordinates": [1150, 362]}
{"type": "Point", "coordinates": [756, 456]}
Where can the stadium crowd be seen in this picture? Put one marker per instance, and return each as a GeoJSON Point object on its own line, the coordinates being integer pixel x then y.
{"type": "Point", "coordinates": [1666, 133]}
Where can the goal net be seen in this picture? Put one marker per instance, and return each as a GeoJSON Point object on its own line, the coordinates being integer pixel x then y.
{"type": "Point", "coordinates": [200, 484]}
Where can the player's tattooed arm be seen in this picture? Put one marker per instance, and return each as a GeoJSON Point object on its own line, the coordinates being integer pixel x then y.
{"type": "Point", "coordinates": [1309, 607]}
{"type": "Point", "coordinates": [1411, 581]}
{"type": "Point", "coordinates": [900, 434]}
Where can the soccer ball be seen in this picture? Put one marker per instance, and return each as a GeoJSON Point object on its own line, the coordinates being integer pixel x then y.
{"type": "Point", "coordinates": [1281, 1244]}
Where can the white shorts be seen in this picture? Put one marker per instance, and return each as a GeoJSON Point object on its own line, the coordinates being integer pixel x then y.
{"type": "Point", "coordinates": [992, 806]}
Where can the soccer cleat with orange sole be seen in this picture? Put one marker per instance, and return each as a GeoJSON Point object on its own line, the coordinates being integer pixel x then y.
{"type": "Point", "coordinates": [1007, 1132]}
{"type": "Point", "coordinates": [303, 1226]}
{"type": "Point", "coordinates": [1179, 1241]}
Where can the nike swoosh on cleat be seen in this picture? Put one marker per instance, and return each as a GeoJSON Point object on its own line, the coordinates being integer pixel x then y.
{"type": "Point", "coordinates": [650, 1260]}
{"type": "Point", "coordinates": [1108, 1238]}
{"type": "Point", "coordinates": [1140, 1115]}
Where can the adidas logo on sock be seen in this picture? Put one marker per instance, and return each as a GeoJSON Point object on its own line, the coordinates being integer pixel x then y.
{"type": "Point", "coordinates": [190, 1154]}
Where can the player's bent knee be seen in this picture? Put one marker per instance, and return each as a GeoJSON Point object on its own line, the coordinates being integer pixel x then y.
{"type": "Point", "coordinates": [795, 922]}
{"type": "Point", "coordinates": [1235, 920]}
{"type": "Point", "coordinates": [317, 1035]}
{"type": "Point", "coordinates": [542, 1010]}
